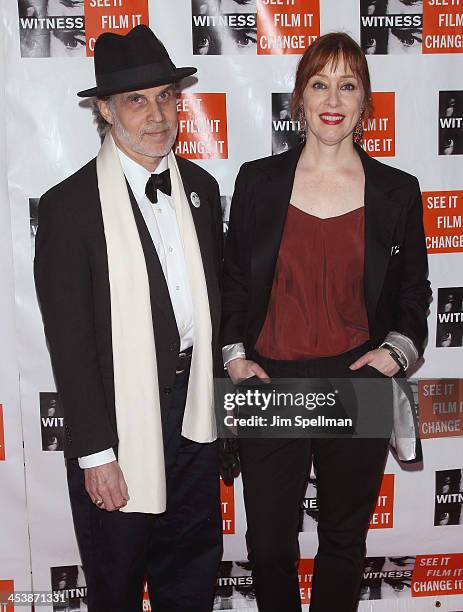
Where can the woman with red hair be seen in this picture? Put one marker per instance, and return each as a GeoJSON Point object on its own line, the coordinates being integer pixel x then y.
{"type": "Point", "coordinates": [325, 276]}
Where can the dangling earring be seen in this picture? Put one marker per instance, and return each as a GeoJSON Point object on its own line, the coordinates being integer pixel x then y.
{"type": "Point", "coordinates": [358, 131]}
{"type": "Point", "coordinates": [302, 123]}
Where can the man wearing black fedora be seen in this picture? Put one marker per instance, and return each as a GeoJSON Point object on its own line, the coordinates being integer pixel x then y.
{"type": "Point", "coordinates": [127, 264]}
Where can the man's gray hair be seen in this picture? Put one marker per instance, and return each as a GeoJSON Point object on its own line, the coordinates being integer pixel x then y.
{"type": "Point", "coordinates": [102, 125]}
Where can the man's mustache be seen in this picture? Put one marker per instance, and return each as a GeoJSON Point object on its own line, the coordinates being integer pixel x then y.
{"type": "Point", "coordinates": [158, 129]}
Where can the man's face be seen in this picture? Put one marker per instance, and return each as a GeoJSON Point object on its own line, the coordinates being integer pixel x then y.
{"type": "Point", "coordinates": [144, 122]}
{"type": "Point", "coordinates": [332, 103]}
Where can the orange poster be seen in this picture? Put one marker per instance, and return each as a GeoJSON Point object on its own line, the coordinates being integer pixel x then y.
{"type": "Point", "coordinates": [146, 599]}
{"type": "Point", "coordinates": [286, 27]}
{"type": "Point", "coordinates": [442, 217]}
{"type": "Point", "coordinates": [202, 126]}
{"type": "Point", "coordinates": [441, 408]}
{"type": "Point", "coordinates": [6, 590]}
{"type": "Point", "coordinates": [117, 16]}
{"type": "Point", "coordinates": [438, 575]}
{"type": "Point", "coordinates": [227, 499]}
{"type": "Point", "coordinates": [442, 26]}
{"type": "Point", "coordinates": [379, 130]}
{"type": "Point", "coordinates": [383, 514]}
{"type": "Point", "coordinates": [305, 571]}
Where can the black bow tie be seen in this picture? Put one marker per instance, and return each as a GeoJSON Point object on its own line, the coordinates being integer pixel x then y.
{"type": "Point", "coordinates": [158, 181]}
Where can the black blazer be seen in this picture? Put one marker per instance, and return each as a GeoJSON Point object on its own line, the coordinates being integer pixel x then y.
{"type": "Point", "coordinates": [71, 276]}
{"type": "Point", "coordinates": [396, 288]}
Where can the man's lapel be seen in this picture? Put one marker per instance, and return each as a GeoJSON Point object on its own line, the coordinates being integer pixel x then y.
{"type": "Point", "coordinates": [159, 292]}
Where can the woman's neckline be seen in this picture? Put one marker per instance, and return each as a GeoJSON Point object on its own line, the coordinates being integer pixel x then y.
{"type": "Point", "coordinates": [327, 218]}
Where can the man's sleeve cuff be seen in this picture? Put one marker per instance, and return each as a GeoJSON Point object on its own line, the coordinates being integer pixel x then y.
{"type": "Point", "coordinates": [233, 351]}
{"type": "Point", "coordinates": [96, 459]}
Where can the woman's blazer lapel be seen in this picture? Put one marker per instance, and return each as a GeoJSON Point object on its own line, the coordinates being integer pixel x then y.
{"type": "Point", "coordinates": [273, 190]}
{"type": "Point", "coordinates": [382, 212]}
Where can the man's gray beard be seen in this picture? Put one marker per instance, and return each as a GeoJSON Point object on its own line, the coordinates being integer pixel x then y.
{"type": "Point", "coordinates": [123, 136]}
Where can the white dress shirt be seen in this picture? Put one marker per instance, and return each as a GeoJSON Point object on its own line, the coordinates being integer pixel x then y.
{"type": "Point", "coordinates": [161, 221]}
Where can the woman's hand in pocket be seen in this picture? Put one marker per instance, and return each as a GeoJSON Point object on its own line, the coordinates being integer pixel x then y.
{"type": "Point", "coordinates": [379, 359]}
{"type": "Point", "coordinates": [239, 369]}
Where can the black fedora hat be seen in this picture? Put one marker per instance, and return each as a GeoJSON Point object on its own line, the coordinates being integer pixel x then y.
{"type": "Point", "coordinates": [137, 60]}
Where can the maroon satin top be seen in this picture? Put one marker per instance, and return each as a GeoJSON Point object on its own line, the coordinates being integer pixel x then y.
{"type": "Point", "coordinates": [317, 306]}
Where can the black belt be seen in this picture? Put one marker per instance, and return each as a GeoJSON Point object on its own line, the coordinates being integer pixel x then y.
{"type": "Point", "coordinates": [184, 360]}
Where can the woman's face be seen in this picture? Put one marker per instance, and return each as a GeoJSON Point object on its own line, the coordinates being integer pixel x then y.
{"type": "Point", "coordinates": [333, 103]}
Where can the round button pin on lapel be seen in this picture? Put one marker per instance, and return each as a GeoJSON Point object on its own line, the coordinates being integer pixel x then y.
{"type": "Point", "coordinates": [194, 197]}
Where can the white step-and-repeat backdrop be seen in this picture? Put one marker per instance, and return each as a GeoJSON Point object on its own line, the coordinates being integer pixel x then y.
{"type": "Point", "coordinates": [237, 109]}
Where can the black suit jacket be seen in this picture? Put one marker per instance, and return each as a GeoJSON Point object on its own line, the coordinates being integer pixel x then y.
{"type": "Point", "coordinates": [71, 276]}
{"type": "Point", "coordinates": [396, 288]}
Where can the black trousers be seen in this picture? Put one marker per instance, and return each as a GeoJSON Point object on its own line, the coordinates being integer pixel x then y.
{"type": "Point", "coordinates": [178, 551]}
{"type": "Point", "coordinates": [275, 474]}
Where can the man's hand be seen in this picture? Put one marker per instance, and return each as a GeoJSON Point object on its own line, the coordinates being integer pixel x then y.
{"type": "Point", "coordinates": [239, 369]}
{"type": "Point", "coordinates": [106, 483]}
{"type": "Point", "coordinates": [379, 359]}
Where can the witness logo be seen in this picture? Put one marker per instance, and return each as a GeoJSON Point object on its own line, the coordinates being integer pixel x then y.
{"type": "Point", "coordinates": [51, 422]}
{"type": "Point", "coordinates": [69, 583]}
{"type": "Point", "coordinates": [287, 27]}
{"type": "Point", "coordinates": [224, 27]}
{"type": "Point", "coordinates": [227, 499]}
{"type": "Point", "coordinates": [250, 27]}
{"type": "Point", "coordinates": [449, 329]}
{"type": "Point", "coordinates": [387, 578]}
{"type": "Point", "coordinates": [6, 590]}
{"type": "Point", "coordinates": [449, 498]}
{"type": "Point", "coordinates": [2, 436]}
{"type": "Point", "coordinates": [202, 126]}
{"type": "Point", "coordinates": [285, 131]}
{"type": "Point", "coordinates": [451, 122]}
{"type": "Point", "coordinates": [391, 26]}
{"type": "Point", "coordinates": [305, 575]}
{"type": "Point", "coordinates": [411, 26]}
{"type": "Point", "coordinates": [383, 514]}
{"type": "Point", "coordinates": [69, 28]}
{"type": "Point", "coordinates": [379, 131]}
{"type": "Point", "coordinates": [438, 575]}
{"type": "Point", "coordinates": [442, 216]}
{"type": "Point", "coordinates": [235, 588]}
{"type": "Point", "coordinates": [441, 408]}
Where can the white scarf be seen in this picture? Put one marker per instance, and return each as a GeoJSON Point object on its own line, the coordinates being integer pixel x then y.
{"type": "Point", "coordinates": [138, 414]}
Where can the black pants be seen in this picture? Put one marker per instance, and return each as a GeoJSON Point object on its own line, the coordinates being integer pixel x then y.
{"type": "Point", "coordinates": [178, 551]}
{"type": "Point", "coordinates": [275, 474]}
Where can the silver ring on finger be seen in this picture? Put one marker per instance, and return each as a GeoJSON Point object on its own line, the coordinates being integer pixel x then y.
{"type": "Point", "coordinates": [99, 502]}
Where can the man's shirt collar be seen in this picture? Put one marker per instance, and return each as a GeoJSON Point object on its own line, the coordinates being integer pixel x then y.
{"type": "Point", "coordinates": [136, 174]}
